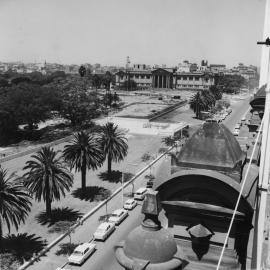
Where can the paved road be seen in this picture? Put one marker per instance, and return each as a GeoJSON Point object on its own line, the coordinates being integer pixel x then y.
{"type": "Point", "coordinates": [239, 107]}
{"type": "Point", "coordinates": [103, 258]}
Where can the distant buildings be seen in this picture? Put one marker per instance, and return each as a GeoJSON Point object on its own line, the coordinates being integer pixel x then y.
{"type": "Point", "coordinates": [186, 75]}
{"type": "Point", "coordinates": [217, 68]}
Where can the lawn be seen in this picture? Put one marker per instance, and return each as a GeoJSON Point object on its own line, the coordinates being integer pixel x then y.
{"type": "Point", "coordinates": [77, 203]}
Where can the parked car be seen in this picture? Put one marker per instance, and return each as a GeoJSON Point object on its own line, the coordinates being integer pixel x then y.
{"type": "Point", "coordinates": [211, 120]}
{"type": "Point", "coordinates": [81, 253]}
{"type": "Point", "coordinates": [229, 110]}
{"type": "Point", "coordinates": [118, 216]}
{"type": "Point", "coordinates": [237, 126]}
{"type": "Point", "coordinates": [104, 230]}
{"type": "Point", "coordinates": [140, 193]}
{"type": "Point", "coordinates": [130, 204]}
{"type": "Point", "coordinates": [236, 132]}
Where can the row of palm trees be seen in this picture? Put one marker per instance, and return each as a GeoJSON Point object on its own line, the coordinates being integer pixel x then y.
{"type": "Point", "coordinates": [47, 176]}
{"type": "Point", "coordinates": [204, 100]}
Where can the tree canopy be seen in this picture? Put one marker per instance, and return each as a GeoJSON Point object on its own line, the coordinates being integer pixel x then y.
{"type": "Point", "coordinates": [14, 201]}
{"type": "Point", "coordinates": [84, 152]}
{"type": "Point", "coordinates": [230, 83]}
{"type": "Point", "coordinates": [202, 101]}
{"type": "Point", "coordinates": [46, 177]}
{"type": "Point", "coordinates": [113, 143]}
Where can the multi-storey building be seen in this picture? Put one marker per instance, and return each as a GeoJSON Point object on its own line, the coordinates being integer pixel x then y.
{"type": "Point", "coordinates": [167, 78]}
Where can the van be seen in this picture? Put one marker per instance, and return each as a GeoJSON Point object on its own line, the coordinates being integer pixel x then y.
{"type": "Point", "coordinates": [140, 194]}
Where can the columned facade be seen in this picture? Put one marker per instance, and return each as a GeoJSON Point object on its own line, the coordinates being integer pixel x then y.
{"type": "Point", "coordinates": [165, 78]}
{"type": "Point", "coordinates": [162, 78]}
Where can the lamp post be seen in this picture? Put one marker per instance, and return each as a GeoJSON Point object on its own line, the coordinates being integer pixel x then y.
{"type": "Point", "coordinates": [123, 180]}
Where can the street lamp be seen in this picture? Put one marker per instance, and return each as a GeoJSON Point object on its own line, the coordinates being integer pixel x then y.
{"type": "Point", "coordinates": [122, 182]}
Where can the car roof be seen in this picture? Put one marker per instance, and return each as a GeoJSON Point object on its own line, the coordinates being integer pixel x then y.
{"type": "Point", "coordinates": [130, 200]}
{"type": "Point", "coordinates": [84, 246]}
{"type": "Point", "coordinates": [118, 211]}
{"type": "Point", "coordinates": [104, 225]}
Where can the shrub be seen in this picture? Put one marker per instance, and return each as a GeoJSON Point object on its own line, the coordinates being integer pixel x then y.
{"type": "Point", "coordinates": [145, 157]}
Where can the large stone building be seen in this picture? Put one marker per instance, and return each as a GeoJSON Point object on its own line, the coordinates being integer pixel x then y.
{"type": "Point", "coordinates": [165, 78]}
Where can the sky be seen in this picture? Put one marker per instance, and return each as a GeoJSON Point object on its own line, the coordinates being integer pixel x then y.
{"type": "Point", "coordinates": [148, 31]}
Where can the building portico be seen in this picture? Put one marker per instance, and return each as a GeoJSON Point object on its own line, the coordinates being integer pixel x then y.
{"type": "Point", "coordinates": [162, 78]}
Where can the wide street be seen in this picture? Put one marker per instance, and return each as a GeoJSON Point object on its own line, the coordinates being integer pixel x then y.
{"type": "Point", "coordinates": [103, 258]}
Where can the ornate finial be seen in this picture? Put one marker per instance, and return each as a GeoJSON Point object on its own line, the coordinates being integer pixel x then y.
{"type": "Point", "coordinates": [151, 209]}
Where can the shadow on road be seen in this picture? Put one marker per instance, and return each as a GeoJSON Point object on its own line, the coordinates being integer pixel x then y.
{"type": "Point", "coordinates": [93, 193]}
{"type": "Point", "coordinates": [66, 249]}
{"type": "Point", "coordinates": [22, 246]}
{"type": "Point", "coordinates": [58, 214]}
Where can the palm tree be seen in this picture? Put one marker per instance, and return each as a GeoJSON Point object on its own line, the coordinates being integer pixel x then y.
{"type": "Point", "coordinates": [82, 71]}
{"type": "Point", "coordinates": [47, 177]}
{"type": "Point", "coordinates": [203, 100]}
{"type": "Point", "coordinates": [83, 153]}
{"type": "Point", "coordinates": [114, 144]}
{"type": "Point", "coordinates": [216, 92]}
{"type": "Point", "coordinates": [197, 103]}
{"type": "Point", "coordinates": [14, 201]}
{"type": "Point", "coordinates": [169, 141]}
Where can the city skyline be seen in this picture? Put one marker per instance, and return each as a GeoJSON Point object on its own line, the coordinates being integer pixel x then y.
{"type": "Point", "coordinates": [152, 32]}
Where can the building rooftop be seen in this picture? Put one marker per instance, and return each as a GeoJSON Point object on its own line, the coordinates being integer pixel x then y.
{"type": "Point", "coordinates": [212, 147]}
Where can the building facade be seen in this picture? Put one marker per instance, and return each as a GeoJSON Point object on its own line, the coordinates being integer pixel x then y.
{"type": "Point", "coordinates": [166, 78]}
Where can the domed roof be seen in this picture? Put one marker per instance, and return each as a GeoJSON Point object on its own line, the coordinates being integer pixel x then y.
{"type": "Point", "coordinates": [153, 246]}
{"type": "Point", "coordinates": [150, 246]}
{"type": "Point", "coordinates": [212, 147]}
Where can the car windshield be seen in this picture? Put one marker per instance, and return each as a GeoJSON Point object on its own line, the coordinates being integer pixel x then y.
{"type": "Point", "coordinates": [114, 215]}
{"type": "Point", "coordinates": [77, 253]}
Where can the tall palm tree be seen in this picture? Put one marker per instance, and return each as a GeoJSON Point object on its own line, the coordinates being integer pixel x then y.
{"type": "Point", "coordinates": [114, 144]}
{"type": "Point", "coordinates": [14, 201]}
{"type": "Point", "coordinates": [197, 103]}
{"type": "Point", "coordinates": [203, 100]}
{"type": "Point", "coordinates": [83, 153]}
{"type": "Point", "coordinates": [47, 177]}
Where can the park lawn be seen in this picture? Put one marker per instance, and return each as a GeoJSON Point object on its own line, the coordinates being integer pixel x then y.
{"type": "Point", "coordinates": [138, 145]}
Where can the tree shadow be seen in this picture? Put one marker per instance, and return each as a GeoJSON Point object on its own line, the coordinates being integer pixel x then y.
{"type": "Point", "coordinates": [66, 249]}
{"type": "Point", "coordinates": [128, 194]}
{"type": "Point", "coordinates": [93, 193]}
{"type": "Point", "coordinates": [22, 246]}
{"type": "Point", "coordinates": [58, 214]}
{"type": "Point", "coordinates": [61, 226]}
{"type": "Point", "coordinates": [115, 176]}
{"type": "Point", "coordinates": [104, 218]}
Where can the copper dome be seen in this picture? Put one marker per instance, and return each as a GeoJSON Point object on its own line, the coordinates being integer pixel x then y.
{"type": "Point", "coordinates": [154, 246]}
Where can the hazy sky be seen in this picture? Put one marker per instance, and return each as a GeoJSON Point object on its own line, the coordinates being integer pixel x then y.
{"type": "Point", "coordinates": [148, 31]}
